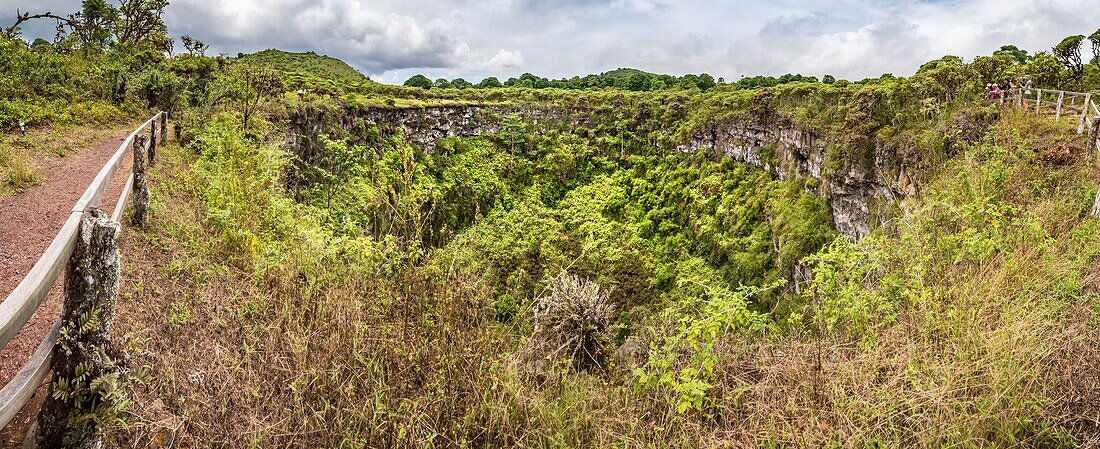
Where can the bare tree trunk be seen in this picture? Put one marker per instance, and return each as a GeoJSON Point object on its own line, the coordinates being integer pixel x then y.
{"type": "Point", "coordinates": [88, 368]}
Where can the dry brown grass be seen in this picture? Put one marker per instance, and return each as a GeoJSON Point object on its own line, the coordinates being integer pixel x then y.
{"type": "Point", "coordinates": [26, 159]}
{"type": "Point", "coordinates": [309, 353]}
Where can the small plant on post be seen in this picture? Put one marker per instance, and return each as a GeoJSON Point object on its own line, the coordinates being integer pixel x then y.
{"type": "Point", "coordinates": [141, 185]}
{"type": "Point", "coordinates": [89, 369]}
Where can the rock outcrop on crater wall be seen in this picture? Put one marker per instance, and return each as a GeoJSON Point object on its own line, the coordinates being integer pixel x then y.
{"type": "Point", "coordinates": [858, 188]}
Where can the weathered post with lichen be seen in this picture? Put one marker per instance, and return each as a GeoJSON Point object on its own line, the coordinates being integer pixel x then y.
{"type": "Point", "coordinates": [153, 144]}
{"type": "Point", "coordinates": [163, 127]}
{"type": "Point", "coordinates": [1094, 129]}
{"type": "Point", "coordinates": [86, 392]}
{"type": "Point", "coordinates": [141, 185]}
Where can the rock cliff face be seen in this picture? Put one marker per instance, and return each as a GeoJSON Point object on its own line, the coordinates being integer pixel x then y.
{"type": "Point", "coordinates": [857, 190]}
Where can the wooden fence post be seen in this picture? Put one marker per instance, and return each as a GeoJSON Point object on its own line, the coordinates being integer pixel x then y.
{"type": "Point", "coordinates": [163, 127]}
{"type": "Point", "coordinates": [1058, 108]}
{"type": "Point", "coordinates": [153, 143]}
{"type": "Point", "coordinates": [1096, 205]}
{"type": "Point", "coordinates": [89, 369]}
{"type": "Point", "coordinates": [1084, 113]}
{"type": "Point", "coordinates": [141, 186]}
{"type": "Point", "coordinates": [1094, 129]}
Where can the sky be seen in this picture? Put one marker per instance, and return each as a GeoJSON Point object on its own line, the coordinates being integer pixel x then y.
{"type": "Point", "coordinates": [390, 40]}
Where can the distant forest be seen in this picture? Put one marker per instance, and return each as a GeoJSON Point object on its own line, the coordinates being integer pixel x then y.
{"type": "Point", "coordinates": [626, 79]}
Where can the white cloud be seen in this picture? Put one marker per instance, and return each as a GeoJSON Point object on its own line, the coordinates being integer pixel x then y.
{"type": "Point", "coordinates": [392, 39]}
{"type": "Point", "coordinates": [373, 40]}
{"type": "Point", "coordinates": [504, 60]}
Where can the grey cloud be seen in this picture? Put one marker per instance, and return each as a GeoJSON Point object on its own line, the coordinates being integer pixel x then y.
{"type": "Point", "coordinates": [375, 41]}
{"type": "Point", "coordinates": [471, 38]}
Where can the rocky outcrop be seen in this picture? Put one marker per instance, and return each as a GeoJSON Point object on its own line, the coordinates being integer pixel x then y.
{"type": "Point", "coordinates": [857, 187]}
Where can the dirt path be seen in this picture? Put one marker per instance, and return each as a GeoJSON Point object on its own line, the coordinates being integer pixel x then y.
{"type": "Point", "coordinates": [31, 219]}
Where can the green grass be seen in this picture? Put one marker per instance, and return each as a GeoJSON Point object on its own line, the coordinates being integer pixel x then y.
{"type": "Point", "coordinates": [309, 63]}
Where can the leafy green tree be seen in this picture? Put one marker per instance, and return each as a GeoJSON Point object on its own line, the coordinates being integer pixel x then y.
{"type": "Point", "coordinates": [195, 47]}
{"type": "Point", "coordinates": [638, 82]}
{"type": "Point", "coordinates": [689, 81]}
{"type": "Point", "coordinates": [1094, 38]}
{"type": "Point", "coordinates": [141, 26]}
{"type": "Point", "coordinates": [513, 131]}
{"type": "Point", "coordinates": [1044, 69]}
{"type": "Point", "coordinates": [97, 24]}
{"type": "Point", "coordinates": [1068, 52]}
{"type": "Point", "coordinates": [442, 83]}
{"type": "Point", "coordinates": [828, 79]}
{"type": "Point", "coordinates": [460, 83]}
{"type": "Point", "coordinates": [247, 88]}
{"type": "Point", "coordinates": [1020, 56]}
{"type": "Point", "coordinates": [993, 69]}
{"type": "Point", "coordinates": [420, 81]}
{"type": "Point", "coordinates": [705, 82]}
{"type": "Point", "coordinates": [489, 83]}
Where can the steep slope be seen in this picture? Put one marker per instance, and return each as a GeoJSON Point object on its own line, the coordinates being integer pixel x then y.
{"type": "Point", "coordinates": [308, 63]}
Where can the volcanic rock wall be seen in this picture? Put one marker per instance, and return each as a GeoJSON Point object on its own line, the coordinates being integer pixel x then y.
{"type": "Point", "coordinates": [856, 189]}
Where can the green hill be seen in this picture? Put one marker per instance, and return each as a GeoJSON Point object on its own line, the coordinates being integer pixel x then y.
{"type": "Point", "coordinates": [308, 63]}
{"type": "Point", "coordinates": [625, 73]}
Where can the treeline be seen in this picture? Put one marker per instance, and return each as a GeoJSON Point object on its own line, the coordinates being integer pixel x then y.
{"type": "Point", "coordinates": [626, 79]}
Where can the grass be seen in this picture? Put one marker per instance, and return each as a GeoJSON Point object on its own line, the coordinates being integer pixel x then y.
{"type": "Point", "coordinates": [293, 338]}
{"type": "Point", "coordinates": [306, 63]}
{"type": "Point", "coordinates": [26, 160]}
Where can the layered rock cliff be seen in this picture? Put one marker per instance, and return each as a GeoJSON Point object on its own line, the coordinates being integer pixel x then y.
{"type": "Point", "coordinates": [860, 190]}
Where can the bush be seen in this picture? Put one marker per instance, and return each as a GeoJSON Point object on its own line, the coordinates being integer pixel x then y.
{"type": "Point", "coordinates": [572, 324]}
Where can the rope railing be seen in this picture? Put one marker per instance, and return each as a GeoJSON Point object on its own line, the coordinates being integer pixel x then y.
{"type": "Point", "coordinates": [25, 299]}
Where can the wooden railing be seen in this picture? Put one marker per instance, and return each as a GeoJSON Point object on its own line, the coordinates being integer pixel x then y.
{"type": "Point", "coordinates": [1060, 103]}
{"type": "Point", "coordinates": [22, 302]}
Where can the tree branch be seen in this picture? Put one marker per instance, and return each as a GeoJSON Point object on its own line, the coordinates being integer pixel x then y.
{"type": "Point", "coordinates": [23, 17]}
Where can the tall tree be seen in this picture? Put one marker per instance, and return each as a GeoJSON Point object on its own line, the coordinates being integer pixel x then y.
{"type": "Point", "coordinates": [194, 46]}
{"type": "Point", "coordinates": [420, 81]}
{"type": "Point", "coordinates": [142, 25]}
{"type": "Point", "coordinates": [1068, 53]}
{"type": "Point", "coordinates": [1095, 39]}
{"type": "Point", "coordinates": [1020, 56]}
{"type": "Point", "coordinates": [489, 83]}
{"type": "Point", "coordinates": [97, 23]}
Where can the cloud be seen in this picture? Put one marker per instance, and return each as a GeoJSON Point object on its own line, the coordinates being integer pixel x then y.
{"type": "Point", "coordinates": [392, 39]}
{"type": "Point", "coordinates": [373, 40]}
{"type": "Point", "coordinates": [504, 60]}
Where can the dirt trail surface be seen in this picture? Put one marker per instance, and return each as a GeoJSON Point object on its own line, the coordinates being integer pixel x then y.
{"type": "Point", "coordinates": [31, 221]}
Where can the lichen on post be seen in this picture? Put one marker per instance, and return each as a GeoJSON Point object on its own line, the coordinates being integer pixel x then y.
{"type": "Point", "coordinates": [153, 143]}
{"type": "Point", "coordinates": [141, 185]}
{"type": "Point", "coordinates": [89, 369]}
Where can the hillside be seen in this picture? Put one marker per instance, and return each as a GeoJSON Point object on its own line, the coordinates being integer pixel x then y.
{"type": "Point", "coordinates": [309, 63]}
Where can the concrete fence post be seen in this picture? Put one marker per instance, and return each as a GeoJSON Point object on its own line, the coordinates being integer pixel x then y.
{"type": "Point", "coordinates": [141, 185]}
{"type": "Point", "coordinates": [89, 370]}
